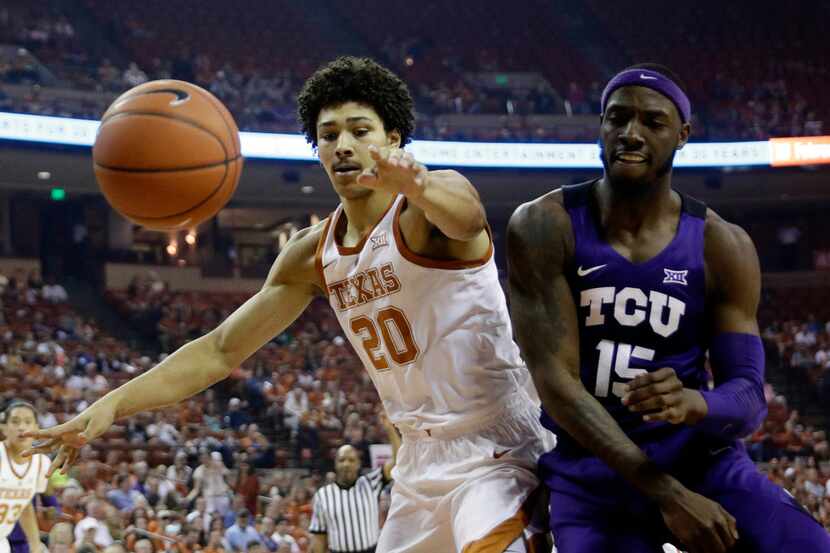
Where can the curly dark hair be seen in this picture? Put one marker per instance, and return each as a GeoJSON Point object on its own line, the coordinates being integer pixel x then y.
{"type": "Point", "coordinates": [351, 79]}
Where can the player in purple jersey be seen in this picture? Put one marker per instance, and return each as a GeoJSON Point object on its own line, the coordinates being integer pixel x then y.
{"type": "Point", "coordinates": [619, 286]}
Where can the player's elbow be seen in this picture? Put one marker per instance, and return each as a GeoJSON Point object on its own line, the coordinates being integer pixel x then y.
{"type": "Point", "coordinates": [220, 348]}
{"type": "Point", "coordinates": [755, 411]}
{"type": "Point", "coordinates": [758, 414]}
{"type": "Point", "coordinates": [473, 224]}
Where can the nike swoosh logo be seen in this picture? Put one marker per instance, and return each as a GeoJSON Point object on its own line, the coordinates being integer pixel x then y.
{"type": "Point", "coordinates": [583, 272]}
{"type": "Point", "coordinates": [647, 77]}
{"type": "Point", "coordinates": [181, 95]}
{"type": "Point", "coordinates": [499, 455]}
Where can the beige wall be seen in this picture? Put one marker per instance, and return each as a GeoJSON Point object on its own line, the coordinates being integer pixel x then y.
{"type": "Point", "coordinates": [10, 264]}
{"type": "Point", "coordinates": [118, 276]}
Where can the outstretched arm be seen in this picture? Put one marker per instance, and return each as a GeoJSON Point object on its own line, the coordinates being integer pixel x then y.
{"type": "Point", "coordinates": [447, 199]}
{"type": "Point", "coordinates": [196, 366]}
{"type": "Point", "coordinates": [539, 244]}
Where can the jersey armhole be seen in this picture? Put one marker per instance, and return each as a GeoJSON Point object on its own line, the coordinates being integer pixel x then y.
{"type": "Point", "coordinates": [429, 262]}
{"type": "Point", "coordinates": [318, 254]}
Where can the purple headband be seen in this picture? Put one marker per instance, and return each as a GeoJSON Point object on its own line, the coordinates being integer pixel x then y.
{"type": "Point", "coordinates": [653, 80]}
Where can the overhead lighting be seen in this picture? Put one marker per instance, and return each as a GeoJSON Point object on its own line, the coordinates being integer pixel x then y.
{"type": "Point", "coordinates": [172, 248]}
{"type": "Point", "coordinates": [190, 238]}
{"type": "Point", "coordinates": [307, 189]}
{"type": "Point", "coordinates": [44, 175]}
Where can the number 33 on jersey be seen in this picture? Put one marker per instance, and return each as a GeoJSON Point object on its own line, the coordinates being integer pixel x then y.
{"type": "Point", "coordinates": [18, 485]}
{"type": "Point", "coordinates": [434, 335]}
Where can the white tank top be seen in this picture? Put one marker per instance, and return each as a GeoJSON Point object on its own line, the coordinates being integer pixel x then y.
{"type": "Point", "coordinates": [434, 335]}
{"type": "Point", "coordinates": [18, 485]}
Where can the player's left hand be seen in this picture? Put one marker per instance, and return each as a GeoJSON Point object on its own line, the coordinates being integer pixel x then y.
{"type": "Point", "coordinates": [660, 396]}
{"type": "Point", "coordinates": [396, 171]}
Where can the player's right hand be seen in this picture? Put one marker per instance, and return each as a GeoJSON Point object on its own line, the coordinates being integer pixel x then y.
{"type": "Point", "coordinates": [68, 438]}
{"type": "Point", "coordinates": [699, 523]}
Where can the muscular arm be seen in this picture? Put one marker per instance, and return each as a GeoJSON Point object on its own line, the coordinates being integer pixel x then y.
{"type": "Point", "coordinates": [209, 359]}
{"type": "Point", "coordinates": [736, 406]}
{"type": "Point", "coordinates": [290, 286]}
{"type": "Point", "coordinates": [452, 204]}
{"type": "Point", "coordinates": [735, 274]}
{"type": "Point", "coordinates": [545, 323]}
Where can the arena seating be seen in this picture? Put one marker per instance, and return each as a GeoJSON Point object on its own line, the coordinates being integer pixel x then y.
{"type": "Point", "coordinates": [742, 95]}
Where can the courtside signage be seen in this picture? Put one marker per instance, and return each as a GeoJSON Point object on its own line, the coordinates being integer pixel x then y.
{"type": "Point", "coordinates": [805, 150]}
{"type": "Point", "coordinates": [496, 155]}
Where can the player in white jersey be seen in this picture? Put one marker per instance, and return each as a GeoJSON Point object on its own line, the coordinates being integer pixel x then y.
{"type": "Point", "coordinates": [20, 477]}
{"type": "Point", "coordinates": [406, 262]}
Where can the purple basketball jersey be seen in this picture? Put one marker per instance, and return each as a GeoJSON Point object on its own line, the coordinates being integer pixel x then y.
{"type": "Point", "coordinates": [633, 318]}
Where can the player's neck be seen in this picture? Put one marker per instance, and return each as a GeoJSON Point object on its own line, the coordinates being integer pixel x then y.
{"type": "Point", "coordinates": [634, 211]}
{"type": "Point", "coordinates": [343, 483]}
{"type": "Point", "coordinates": [15, 454]}
{"type": "Point", "coordinates": [364, 213]}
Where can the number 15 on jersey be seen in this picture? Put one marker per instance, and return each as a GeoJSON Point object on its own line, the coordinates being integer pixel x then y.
{"type": "Point", "coordinates": [616, 357]}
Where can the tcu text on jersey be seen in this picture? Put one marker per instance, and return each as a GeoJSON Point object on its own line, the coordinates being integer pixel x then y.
{"type": "Point", "coordinates": [633, 307]}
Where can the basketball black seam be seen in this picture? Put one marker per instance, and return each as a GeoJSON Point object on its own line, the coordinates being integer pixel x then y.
{"type": "Point", "coordinates": [191, 208]}
{"type": "Point", "coordinates": [227, 126]}
{"type": "Point", "coordinates": [184, 120]}
{"type": "Point", "coordinates": [161, 170]}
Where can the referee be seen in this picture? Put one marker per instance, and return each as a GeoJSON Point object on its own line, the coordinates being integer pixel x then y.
{"type": "Point", "coordinates": [345, 515]}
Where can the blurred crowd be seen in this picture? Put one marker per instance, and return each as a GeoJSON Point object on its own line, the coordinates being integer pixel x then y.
{"type": "Point", "coordinates": [234, 469]}
{"type": "Point", "coordinates": [231, 470]}
{"type": "Point", "coordinates": [726, 107]}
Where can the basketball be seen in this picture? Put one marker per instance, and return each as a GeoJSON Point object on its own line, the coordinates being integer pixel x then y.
{"type": "Point", "coordinates": [167, 155]}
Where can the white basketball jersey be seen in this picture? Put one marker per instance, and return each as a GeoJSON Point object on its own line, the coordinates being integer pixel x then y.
{"type": "Point", "coordinates": [18, 485]}
{"type": "Point", "coordinates": [434, 335]}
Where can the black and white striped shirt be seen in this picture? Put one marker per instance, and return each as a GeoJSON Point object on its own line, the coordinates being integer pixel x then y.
{"type": "Point", "coordinates": [349, 515]}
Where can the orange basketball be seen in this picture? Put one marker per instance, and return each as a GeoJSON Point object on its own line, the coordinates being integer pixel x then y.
{"type": "Point", "coordinates": [167, 155]}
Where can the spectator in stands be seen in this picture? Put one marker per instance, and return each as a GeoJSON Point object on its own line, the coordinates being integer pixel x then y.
{"type": "Point", "coordinates": [282, 536]}
{"type": "Point", "coordinates": [247, 485]}
{"type": "Point", "coordinates": [162, 431]}
{"type": "Point", "coordinates": [94, 526]}
{"type": "Point", "coordinates": [60, 538]}
{"type": "Point", "coordinates": [296, 405]}
{"type": "Point", "coordinates": [235, 417]}
{"type": "Point", "coordinates": [70, 504]}
{"type": "Point", "coordinates": [144, 546]}
{"type": "Point", "coordinates": [242, 534]}
{"type": "Point", "coordinates": [54, 292]}
{"type": "Point", "coordinates": [265, 528]}
{"type": "Point", "coordinates": [210, 481]}
{"type": "Point", "coordinates": [216, 543]}
{"type": "Point", "coordinates": [134, 76]}
{"type": "Point", "coordinates": [123, 496]}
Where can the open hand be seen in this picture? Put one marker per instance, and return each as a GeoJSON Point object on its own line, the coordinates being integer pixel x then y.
{"type": "Point", "coordinates": [68, 438]}
{"type": "Point", "coordinates": [395, 170]}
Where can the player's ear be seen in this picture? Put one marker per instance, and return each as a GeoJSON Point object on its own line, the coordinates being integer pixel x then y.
{"type": "Point", "coordinates": [393, 138]}
{"type": "Point", "coordinates": [685, 132]}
